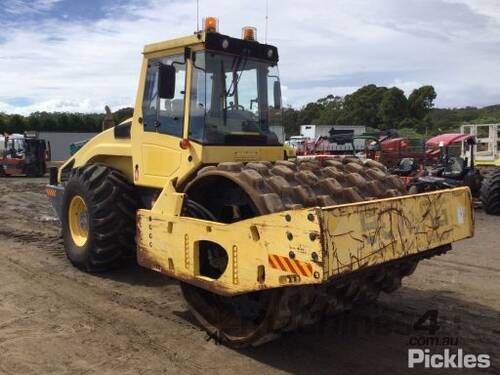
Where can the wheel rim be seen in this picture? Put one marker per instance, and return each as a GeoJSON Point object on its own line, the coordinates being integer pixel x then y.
{"type": "Point", "coordinates": [78, 219]}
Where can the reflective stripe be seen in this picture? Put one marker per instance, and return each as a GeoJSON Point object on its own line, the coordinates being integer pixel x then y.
{"type": "Point", "coordinates": [290, 265]}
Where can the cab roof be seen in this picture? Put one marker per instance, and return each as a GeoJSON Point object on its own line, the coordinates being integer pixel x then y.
{"type": "Point", "coordinates": [448, 139]}
{"type": "Point", "coordinates": [220, 43]}
{"type": "Point", "coordinates": [186, 41]}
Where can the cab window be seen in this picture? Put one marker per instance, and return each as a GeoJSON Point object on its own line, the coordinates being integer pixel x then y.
{"type": "Point", "coordinates": [231, 103]}
{"type": "Point", "coordinates": [164, 115]}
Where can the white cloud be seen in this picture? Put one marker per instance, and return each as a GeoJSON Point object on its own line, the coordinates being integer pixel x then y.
{"type": "Point", "coordinates": [58, 105]}
{"type": "Point", "coordinates": [325, 47]}
{"type": "Point", "coordinates": [20, 7]}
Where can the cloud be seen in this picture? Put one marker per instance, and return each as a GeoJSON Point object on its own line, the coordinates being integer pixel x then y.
{"type": "Point", "coordinates": [83, 60]}
{"type": "Point", "coordinates": [22, 7]}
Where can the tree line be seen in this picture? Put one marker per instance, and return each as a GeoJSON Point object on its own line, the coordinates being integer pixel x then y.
{"type": "Point", "coordinates": [373, 106]}
{"type": "Point", "coordinates": [381, 107]}
{"type": "Point", "coordinates": [58, 121]}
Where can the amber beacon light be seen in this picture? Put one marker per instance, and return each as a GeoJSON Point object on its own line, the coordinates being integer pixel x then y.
{"type": "Point", "coordinates": [211, 24]}
{"type": "Point", "coordinates": [249, 33]}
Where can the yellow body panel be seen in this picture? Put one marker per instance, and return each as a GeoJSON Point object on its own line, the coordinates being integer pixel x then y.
{"type": "Point", "coordinates": [306, 246]}
{"type": "Point", "coordinates": [104, 148]}
{"type": "Point", "coordinates": [217, 154]}
{"type": "Point", "coordinates": [363, 234]}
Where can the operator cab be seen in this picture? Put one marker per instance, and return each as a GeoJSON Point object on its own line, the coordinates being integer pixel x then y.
{"type": "Point", "coordinates": [453, 169]}
{"type": "Point", "coordinates": [234, 92]}
{"type": "Point", "coordinates": [15, 146]}
{"type": "Point", "coordinates": [453, 165]}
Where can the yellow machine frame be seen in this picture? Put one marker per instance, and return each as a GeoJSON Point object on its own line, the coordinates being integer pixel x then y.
{"type": "Point", "coordinates": [305, 246]}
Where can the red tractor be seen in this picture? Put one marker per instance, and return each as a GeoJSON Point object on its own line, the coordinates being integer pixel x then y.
{"type": "Point", "coordinates": [23, 155]}
{"type": "Point", "coordinates": [455, 167]}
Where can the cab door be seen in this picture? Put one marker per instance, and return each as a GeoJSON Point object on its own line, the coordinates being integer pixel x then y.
{"type": "Point", "coordinates": [156, 150]}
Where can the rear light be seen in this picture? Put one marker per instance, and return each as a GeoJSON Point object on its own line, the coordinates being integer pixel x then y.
{"type": "Point", "coordinates": [184, 144]}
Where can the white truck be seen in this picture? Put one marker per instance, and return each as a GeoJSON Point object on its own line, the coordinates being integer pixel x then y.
{"type": "Point", "coordinates": [315, 131]}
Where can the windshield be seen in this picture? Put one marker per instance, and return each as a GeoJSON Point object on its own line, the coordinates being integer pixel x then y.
{"type": "Point", "coordinates": [235, 101]}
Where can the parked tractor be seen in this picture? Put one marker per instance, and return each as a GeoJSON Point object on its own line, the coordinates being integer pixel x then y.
{"type": "Point", "coordinates": [194, 186]}
{"type": "Point", "coordinates": [396, 153]}
{"type": "Point", "coordinates": [23, 155]}
{"type": "Point", "coordinates": [454, 168]}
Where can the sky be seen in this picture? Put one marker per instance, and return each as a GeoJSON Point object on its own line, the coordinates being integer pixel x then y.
{"type": "Point", "coordinates": [74, 55]}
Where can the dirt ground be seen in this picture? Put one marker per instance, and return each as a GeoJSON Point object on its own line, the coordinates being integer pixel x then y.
{"type": "Point", "coordinates": [55, 319]}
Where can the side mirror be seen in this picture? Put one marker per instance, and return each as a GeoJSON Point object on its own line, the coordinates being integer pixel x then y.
{"type": "Point", "coordinates": [166, 81]}
{"type": "Point", "coordinates": [277, 94]}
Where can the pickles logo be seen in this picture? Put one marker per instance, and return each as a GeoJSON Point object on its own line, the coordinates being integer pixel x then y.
{"type": "Point", "coordinates": [440, 358]}
{"type": "Point", "coordinates": [448, 359]}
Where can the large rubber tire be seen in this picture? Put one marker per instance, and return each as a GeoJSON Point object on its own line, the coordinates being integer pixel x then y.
{"type": "Point", "coordinates": [490, 193]}
{"type": "Point", "coordinates": [235, 191]}
{"type": "Point", "coordinates": [111, 209]}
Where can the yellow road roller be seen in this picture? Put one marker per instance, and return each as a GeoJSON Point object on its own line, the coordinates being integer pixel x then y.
{"type": "Point", "coordinates": [196, 186]}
